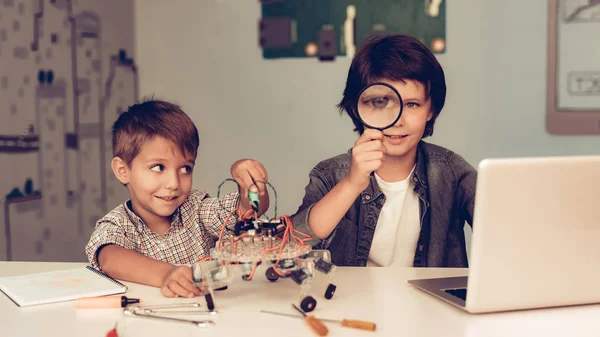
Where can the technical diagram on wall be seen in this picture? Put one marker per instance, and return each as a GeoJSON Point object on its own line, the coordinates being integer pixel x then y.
{"type": "Point", "coordinates": [573, 93]}
{"type": "Point", "coordinates": [325, 29]}
{"type": "Point", "coordinates": [66, 72]}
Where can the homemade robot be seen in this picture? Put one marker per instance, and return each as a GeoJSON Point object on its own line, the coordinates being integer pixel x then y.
{"type": "Point", "coordinates": [274, 242]}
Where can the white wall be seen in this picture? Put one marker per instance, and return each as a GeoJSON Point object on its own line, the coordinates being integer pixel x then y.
{"type": "Point", "coordinates": [205, 56]}
{"type": "Point", "coordinates": [514, 82]}
{"type": "Point", "coordinates": [73, 192]}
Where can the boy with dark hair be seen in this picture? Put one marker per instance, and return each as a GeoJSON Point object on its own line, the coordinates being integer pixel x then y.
{"type": "Point", "coordinates": [393, 199]}
{"type": "Point", "coordinates": [165, 224]}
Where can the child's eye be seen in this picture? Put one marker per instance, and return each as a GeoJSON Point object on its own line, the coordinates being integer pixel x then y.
{"type": "Point", "coordinates": [411, 105]}
{"type": "Point", "coordinates": [186, 169]}
{"type": "Point", "coordinates": [158, 168]}
{"type": "Point", "coordinates": [381, 102]}
{"type": "Point", "coordinates": [378, 102]}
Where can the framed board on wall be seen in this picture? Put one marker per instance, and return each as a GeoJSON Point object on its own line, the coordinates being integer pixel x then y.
{"type": "Point", "coordinates": [325, 29]}
{"type": "Point", "coordinates": [573, 92]}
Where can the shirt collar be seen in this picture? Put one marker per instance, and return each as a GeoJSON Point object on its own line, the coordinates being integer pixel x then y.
{"type": "Point", "coordinates": [419, 180]}
{"type": "Point", "coordinates": [178, 219]}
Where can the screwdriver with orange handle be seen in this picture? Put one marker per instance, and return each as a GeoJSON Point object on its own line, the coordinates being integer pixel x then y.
{"type": "Point", "coordinates": [314, 323]}
{"type": "Point", "coordinates": [347, 323]}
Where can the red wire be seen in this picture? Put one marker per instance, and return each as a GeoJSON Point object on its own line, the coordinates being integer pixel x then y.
{"type": "Point", "coordinates": [289, 231]}
{"type": "Point", "coordinates": [242, 218]}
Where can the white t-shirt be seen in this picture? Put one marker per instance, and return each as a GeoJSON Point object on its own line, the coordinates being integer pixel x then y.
{"type": "Point", "coordinates": [398, 226]}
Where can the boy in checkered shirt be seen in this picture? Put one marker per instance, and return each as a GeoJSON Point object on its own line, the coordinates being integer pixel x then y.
{"type": "Point", "coordinates": [165, 225]}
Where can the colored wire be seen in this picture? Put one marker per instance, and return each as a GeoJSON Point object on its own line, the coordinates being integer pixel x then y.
{"type": "Point", "coordinates": [258, 181]}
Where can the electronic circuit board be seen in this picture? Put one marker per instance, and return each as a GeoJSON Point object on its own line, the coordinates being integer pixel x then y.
{"type": "Point", "coordinates": [325, 29]}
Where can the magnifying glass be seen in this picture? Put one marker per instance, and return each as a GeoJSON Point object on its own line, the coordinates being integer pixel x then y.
{"type": "Point", "coordinates": [379, 106]}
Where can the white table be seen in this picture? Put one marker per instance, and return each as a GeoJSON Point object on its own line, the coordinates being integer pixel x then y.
{"type": "Point", "coordinates": [377, 294]}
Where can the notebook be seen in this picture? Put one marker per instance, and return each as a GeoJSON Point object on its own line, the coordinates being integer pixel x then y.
{"type": "Point", "coordinates": [59, 286]}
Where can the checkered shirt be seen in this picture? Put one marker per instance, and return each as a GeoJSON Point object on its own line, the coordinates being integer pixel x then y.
{"type": "Point", "coordinates": [195, 228]}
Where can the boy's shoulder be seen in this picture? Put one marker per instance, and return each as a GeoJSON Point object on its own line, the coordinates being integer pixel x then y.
{"type": "Point", "coordinates": [439, 159]}
{"type": "Point", "coordinates": [430, 151]}
{"type": "Point", "coordinates": [123, 216]}
{"type": "Point", "coordinates": [119, 218]}
{"type": "Point", "coordinates": [438, 153]}
{"type": "Point", "coordinates": [194, 201]}
{"type": "Point", "coordinates": [196, 196]}
{"type": "Point", "coordinates": [117, 215]}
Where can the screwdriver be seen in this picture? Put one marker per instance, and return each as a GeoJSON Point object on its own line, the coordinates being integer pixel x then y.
{"type": "Point", "coordinates": [253, 195]}
{"type": "Point", "coordinates": [317, 326]}
{"type": "Point", "coordinates": [347, 323]}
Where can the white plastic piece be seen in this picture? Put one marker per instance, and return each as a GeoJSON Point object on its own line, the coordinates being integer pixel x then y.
{"type": "Point", "coordinates": [433, 7]}
{"type": "Point", "coordinates": [349, 31]}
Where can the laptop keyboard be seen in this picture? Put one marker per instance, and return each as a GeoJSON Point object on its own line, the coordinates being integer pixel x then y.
{"type": "Point", "coordinates": [460, 293]}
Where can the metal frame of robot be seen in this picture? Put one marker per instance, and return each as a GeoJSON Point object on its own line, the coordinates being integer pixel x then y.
{"type": "Point", "coordinates": [245, 251]}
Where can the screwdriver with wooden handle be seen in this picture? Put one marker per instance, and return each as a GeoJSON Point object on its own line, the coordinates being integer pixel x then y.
{"type": "Point", "coordinates": [347, 323]}
{"type": "Point", "coordinates": [314, 323]}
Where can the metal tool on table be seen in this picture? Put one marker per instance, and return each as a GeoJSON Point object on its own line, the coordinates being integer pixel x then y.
{"type": "Point", "coordinates": [164, 311]}
{"type": "Point", "coordinates": [347, 323]}
{"type": "Point", "coordinates": [314, 323]}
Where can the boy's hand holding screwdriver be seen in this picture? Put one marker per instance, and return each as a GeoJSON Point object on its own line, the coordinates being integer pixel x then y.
{"type": "Point", "coordinates": [250, 176]}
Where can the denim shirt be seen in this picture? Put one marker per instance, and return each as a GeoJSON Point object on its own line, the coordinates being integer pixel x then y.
{"type": "Point", "coordinates": [445, 184]}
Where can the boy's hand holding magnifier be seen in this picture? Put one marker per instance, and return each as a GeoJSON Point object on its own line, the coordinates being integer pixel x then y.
{"type": "Point", "coordinates": [379, 107]}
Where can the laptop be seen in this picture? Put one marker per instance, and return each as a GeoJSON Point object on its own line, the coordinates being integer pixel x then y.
{"type": "Point", "coordinates": [536, 237]}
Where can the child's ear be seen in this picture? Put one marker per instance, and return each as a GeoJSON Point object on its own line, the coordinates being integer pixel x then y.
{"type": "Point", "coordinates": [120, 169]}
{"type": "Point", "coordinates": [430, 115]}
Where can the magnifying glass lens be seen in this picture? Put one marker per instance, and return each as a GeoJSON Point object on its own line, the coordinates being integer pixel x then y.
{"type": "Point", "coordinates": [379, 106]}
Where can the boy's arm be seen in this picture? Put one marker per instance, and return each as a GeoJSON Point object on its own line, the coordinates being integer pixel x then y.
{"type": "Point", "coordinates": [327, 213]}
{"type": "Point", "coordinates": [314, 191]}
{"type": "Point", "coordinates": [323, 207]}
{"type": "Point", "coordinates": [466, 176]}
{"type": "Point", "coordinates": [367, 156]}
{"type": "Point", "coordinates": [107, 233]}
{"type": "Point", "coordinates": [128, 265]}
{"type": "Point", "coordinates": [112, 252]}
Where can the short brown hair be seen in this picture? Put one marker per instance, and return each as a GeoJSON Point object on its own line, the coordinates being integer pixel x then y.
{"type": "Point", "coordinates": [395, 58]}
{"type": "Point", "coordinates": [151, 118]}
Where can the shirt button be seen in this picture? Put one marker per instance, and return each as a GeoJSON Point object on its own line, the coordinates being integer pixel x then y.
{"type": "Point", "coordinates": [420, 248]}
{"type": "Point", "coordinates": [367, 197]}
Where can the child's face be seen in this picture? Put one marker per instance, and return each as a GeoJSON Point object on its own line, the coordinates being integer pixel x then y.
{"type": "Point", "coordinates": [401, 139]}
{"type": "Point", "coordinates": [160, 179]}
